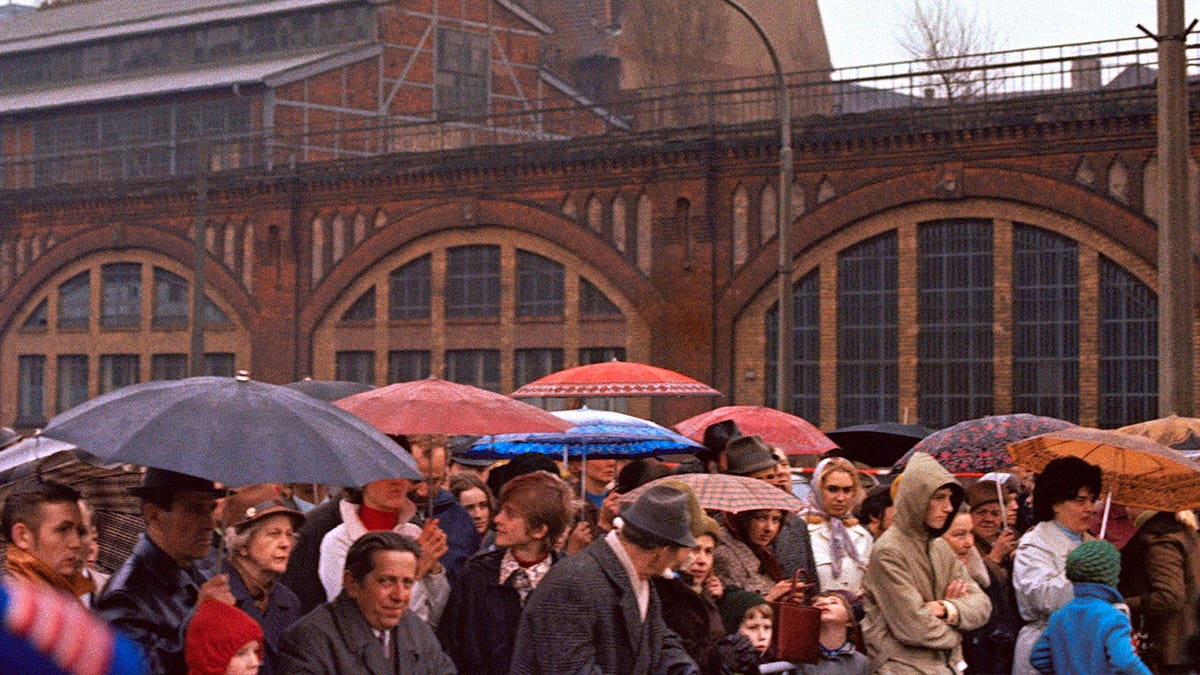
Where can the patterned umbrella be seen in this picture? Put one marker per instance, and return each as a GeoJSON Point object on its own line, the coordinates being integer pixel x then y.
{"type": "Point", "coordinates": [1137, 471]}
{"type": "Point", "coordinates": [979, 445]}
{"type": "Point", "coordinates": [794, 435]}
{"type": "Point", "coordinates": [614, 379]}
{"type": "Point", "coordinates": [596, 434]}
{"type": "Point", "coordinates": [726, 492]}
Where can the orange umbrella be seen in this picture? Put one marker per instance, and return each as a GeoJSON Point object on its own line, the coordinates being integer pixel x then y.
{"type": "Point", "coordinates": [614, 379]}
{"type": "Point", "coordinates": [794, 435]}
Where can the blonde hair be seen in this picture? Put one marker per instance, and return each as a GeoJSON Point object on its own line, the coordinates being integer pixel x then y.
{"type": "Point", "coordinates": [763, 610]}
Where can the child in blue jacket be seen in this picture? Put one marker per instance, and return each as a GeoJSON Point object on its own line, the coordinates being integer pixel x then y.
{"type": "Point", "coordinates": [1089, 634]}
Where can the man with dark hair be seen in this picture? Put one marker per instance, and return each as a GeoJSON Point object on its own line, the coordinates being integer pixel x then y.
{"type": "Point", "coordinates": [875, 511]}
{"type": "Point", "coordinates": [367, 628]}
{"type": "Point", "coordinates": [462, 541]}
{"type": "Point", "coordinates": [44, 530]}
{"type": "Point", "coordinates": [596, 611]}
{"type": "Point", "coordinates": [157, 588]}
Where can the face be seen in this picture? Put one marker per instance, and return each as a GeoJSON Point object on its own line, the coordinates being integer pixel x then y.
{"type": "Point", "coordinates": [57, 539]}
{"type": "Point", "coordinates": [512, 528]}
{"type": "Point", "coordinates": [432, 464]}
{"type": "Point", "coordinates": [1011, 507]}
{"type": "Point", "coordinates": [837, 491]}
{"type": "Point", "coordinates": [959, 535]}
{"type": "Point", "coordinates": [764, 526]}
{"type": "Point", "coordinates": [184, 532]}
{"type": "Point", "coordinates": [91, 537]}
{"type": "Point", "coordinates": [758, 629]}
{"type": "Point", "coordinates": [476, 504]}
{"type": "Point", "coordinates": [271, 544]}
{"type": "Point", "coordinates": [766, 475]}
{"type": "Point", "coordinates": [386, 495]}
{"type": "Point", "coordinates": [246, 661]}
{"type": "Point", "coordinates": [1076, 514]}
{"type": "Point", "coordinates": [986, 520]}
{"type": "Point", "coordinates": [783, 473]}
{"type": "Point", "coordinates": [833, 611]}
{"type": "Point", "coordinates": [939, 509]}
{"type": "Point", "coordinates": [383, 595]}
{"type": "Point", "coordinates": [702, 558]}
{"type": "Point", "coordinates": [599, 473]}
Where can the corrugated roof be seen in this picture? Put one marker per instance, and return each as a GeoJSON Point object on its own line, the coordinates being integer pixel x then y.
{"type": "Point", "coordinates": [98, 19]}
{"type": "Point", "coordinates": [273, 73]}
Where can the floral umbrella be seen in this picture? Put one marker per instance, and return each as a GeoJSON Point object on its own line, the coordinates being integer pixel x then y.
{"type": "Point", "coordinates": [979, 445]}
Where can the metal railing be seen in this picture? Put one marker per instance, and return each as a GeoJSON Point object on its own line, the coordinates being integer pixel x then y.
{"type": "Point", "coordinates": [1066, 81]}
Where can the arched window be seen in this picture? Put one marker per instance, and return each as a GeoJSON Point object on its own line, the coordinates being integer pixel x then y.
{"type": "Point", "coordinates": [806, 350]}
{"type": "Point", "coordinates": [1128, 347]}
{"type": "Point", "coordinates": [868, 327]}
{"type": "Point", "coordinates": [473, 281]}
{"type": "Point", "coordinates": [1045, 323]}
{"type": "Point", "coordinates": [539, 285]}
{"type": "Point", "coordinates": [408, 290]}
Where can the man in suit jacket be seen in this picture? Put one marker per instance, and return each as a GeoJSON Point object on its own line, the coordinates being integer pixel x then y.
{"type": "Point", "coordinates": [367, 628]}
{"type": "Point", "coordinates": [596, 612]}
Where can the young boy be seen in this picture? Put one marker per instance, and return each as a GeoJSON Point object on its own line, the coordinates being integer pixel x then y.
{"type": "Point", "coordinates": [751, 615]}
{"type": "Point", "coordinates": [1089, 634]}
{"type": "Point", "coordinates": [837, 637]}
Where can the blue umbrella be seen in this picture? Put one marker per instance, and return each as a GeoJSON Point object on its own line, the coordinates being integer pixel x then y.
{"type": "Point", "coordinates": [597, 434]}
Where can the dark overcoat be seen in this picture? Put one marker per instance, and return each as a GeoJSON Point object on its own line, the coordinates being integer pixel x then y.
{"type": "Point", "coordinates": [283, 610]}
{"type": "Point", "coordinates": [583, 618]}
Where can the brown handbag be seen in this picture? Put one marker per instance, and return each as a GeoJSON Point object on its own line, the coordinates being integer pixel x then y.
{"type": "Point", "coordinates": [797, 623]}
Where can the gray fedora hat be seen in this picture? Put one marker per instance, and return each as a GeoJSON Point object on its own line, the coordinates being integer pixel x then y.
{"type": "Point", "coordinates": [746, 454]}
{"type": "Point", "coordinates": [662, 511]}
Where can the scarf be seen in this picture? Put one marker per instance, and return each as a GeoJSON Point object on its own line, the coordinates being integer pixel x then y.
{"type": "Point", "coordinates": [846, 648]}
{"type": "Point", "coordinates": [25, 565]}
{"type": "Point", "coordinates": [840, 544]}
{"type": "Point", "coordinates": [768, 564]}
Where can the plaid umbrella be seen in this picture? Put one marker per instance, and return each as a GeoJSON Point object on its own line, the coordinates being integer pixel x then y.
{"type": "Point", "coordinates": [979, 445]}
{"type": "Point", "coordinates": [726, 492]}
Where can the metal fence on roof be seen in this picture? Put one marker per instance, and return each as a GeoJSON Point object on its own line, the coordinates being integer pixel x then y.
{"type": "Point", "coordinates": [1076, 81]}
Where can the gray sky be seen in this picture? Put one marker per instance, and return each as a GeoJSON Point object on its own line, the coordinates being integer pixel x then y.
{"type": "Point", "coordinates": [862, 32]}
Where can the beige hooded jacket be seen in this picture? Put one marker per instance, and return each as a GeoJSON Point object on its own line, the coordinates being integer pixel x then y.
{"type": "Point", "coordinates": [910, 566]}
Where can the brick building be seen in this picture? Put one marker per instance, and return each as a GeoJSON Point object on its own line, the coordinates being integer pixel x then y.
{"type": "Point", "coordinates": [950, 261]}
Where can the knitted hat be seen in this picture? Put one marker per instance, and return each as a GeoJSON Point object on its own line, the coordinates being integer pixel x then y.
{"type": "Point", "coordinates": [734, 604]}
{"type": "Point", "coordinates": [217, 632]}
{"type": "Point", "coordinates": [748, 454]}
{"type": "Point", "coordinates": [1096, 561]}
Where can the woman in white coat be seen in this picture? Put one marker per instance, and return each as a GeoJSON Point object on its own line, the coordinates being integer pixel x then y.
{"type": "Point", "coordinates": [1064, 499]}
{"type": "Point", "coordinates": [840, 544]}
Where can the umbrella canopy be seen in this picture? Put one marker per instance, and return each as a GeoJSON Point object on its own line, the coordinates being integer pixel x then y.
{"type": "Point", "coordinates": [878, 444]}
{"type": "Point", "coordinates": [979, 445]}
{"type": "Point", "coordinates": [234, 431]}
{"type": "Point", "coordinates": [794, 435]}
{"type": "Point", "coordinates": [726, 492]}
{"type": "Point", "coordinates": [435, 406]}
{"type": "Point", "coordinates": [328, 390]}
{"type": "Point", "coordinates": [614, 378]}
{"type": "Point", "coordinates": [596, 434]}
{"type": "Point", "coordinates": [1180, 433]}
{"type": "Point", "coordinates": [1137, 471]}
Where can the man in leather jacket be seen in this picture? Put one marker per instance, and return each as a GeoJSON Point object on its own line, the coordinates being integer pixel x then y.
{"type": "Point", "coordinates": [156, 590]}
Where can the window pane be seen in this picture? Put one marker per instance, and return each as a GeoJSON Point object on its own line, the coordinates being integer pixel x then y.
{"type": "Point", "coordinates": [408, 294]}
{"type": "Point", "coordinates": [168, 366]}
{"type": "Point", "coordinates": [170, 299]}
{"type": "Point", "coordinates": [407, 365]}
{"type": "Point", "coordinates": [1128, 347]}
{"type": "Point", "coordinates": [593, 301]}
{"type": "Point", "coordinates": [356, 366]}
{"type": "Point", "coordinates": [1045, 323]}
{"type": "Point", "coordinates": [473, 281]}
{"type": "Point", "coordinates": [539, 285]}
{"type": "Point", "coordinates": [31, 390]}
{"type": "Point", "coordinates": [121, 298]}
{"type": "Point", "coordinates": [462, 73]}
{"type": "Point", "coordinates": [954, 299]}
{"type": "Point", "coordinates": [218, 364]}
{"type": "Point", "coordinates": [39, 318]}
{"type": "Point", "coordinates": [806, 346]}
{"type": "Point", "coordinates": [213, 316]}
{"type": "Point", "coordinates": [74, 301]}
{"type": "Point", "coordinates": [532, 364]}
{"type": "Point", "coordinates": [363, 309]}
{"type": "Point", "coordinates": [868, 315]}
{"type": "Point", "coordinates": [476, 367]}
{"type": "Point", "coordinates": [72, 380]}
{"type": "Point", "coordinates": [118, 370]}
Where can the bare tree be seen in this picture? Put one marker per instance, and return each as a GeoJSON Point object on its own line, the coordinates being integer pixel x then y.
{"type": "Point", "coordinates": [953, 42]}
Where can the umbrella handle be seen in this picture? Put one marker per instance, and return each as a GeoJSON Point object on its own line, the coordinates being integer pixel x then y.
{"type": "Point", "coordinates": [1104, 520]}
{"type": "Point", "coordinates": [1003, 507]}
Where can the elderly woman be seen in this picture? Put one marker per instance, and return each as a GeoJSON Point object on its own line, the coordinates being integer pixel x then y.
{"type": "Point", "coordinates": [840, 545]}
{"type": "Point", "coordinates": [259, 542]}
{"type": "Point", "coordinates": [1064, 498]}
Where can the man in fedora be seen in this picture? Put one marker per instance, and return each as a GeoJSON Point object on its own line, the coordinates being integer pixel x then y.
{"type": "Point", "coordinates": [154, 592]}
{"type": "Point", "coordinates": [596, 611]}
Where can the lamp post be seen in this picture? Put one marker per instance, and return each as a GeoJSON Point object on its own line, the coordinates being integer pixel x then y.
{"type": "Point", "coordinates": [783, 354]}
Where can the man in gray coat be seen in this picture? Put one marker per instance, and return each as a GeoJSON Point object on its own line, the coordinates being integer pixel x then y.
{"type": "Point", "coordinates": [367, 628]}
{"type": "Point", "coordinates": [597, 612]}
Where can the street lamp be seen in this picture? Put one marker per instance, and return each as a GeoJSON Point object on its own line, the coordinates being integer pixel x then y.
{"type": "Point", "coordinates": [783, 354]}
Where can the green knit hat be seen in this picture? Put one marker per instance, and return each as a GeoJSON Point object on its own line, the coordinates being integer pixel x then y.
{"type": "Point", "coordinates": [1096, 561]}
{"type": "Point", "coordinates": [734, 605]}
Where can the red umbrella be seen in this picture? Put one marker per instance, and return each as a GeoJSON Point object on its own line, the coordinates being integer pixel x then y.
{"type": "Point", "coordinates": [794, 435]}
{"type": "Point", "coordinates": [435, 406]}
{"type": "Point", "coordinates": [614, 378]}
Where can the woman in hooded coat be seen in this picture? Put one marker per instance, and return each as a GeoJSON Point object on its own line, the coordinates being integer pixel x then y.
{"type": "Point", "coordinates": [918, 597]}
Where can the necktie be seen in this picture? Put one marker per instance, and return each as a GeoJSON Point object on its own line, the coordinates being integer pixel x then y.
{"type": "Point", "coordinates": [519, 580]}
{"type": "Point", "coordinates": [385, 639]}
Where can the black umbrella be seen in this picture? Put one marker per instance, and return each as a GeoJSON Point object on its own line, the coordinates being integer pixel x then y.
{"type": "Point", "coordinates": [328, 390]}
{"type": "Point", "coordinates": [879, 444]}
{"type": "Point", "coordinates": [234, 431]}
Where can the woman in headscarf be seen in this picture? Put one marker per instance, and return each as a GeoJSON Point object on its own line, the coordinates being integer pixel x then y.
{"type": "Point", "coordinates": [743, 557]}
{"type": "Point", "coordinates": [840, 545]}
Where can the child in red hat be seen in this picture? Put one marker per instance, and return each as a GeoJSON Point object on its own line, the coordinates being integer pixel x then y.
{"type": "Point", "coordinates": [222, 640]}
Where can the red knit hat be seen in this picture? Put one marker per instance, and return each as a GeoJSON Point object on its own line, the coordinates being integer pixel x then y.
{"type": "Point", "coordinates": [216, 633]}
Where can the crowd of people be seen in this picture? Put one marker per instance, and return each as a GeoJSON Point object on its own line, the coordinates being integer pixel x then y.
{"type": "Point", "coordinates": [535, 567]}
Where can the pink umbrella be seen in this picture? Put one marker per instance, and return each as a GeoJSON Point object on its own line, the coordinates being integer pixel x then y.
{"type": "Point", "coordinates": [794, 435]}
{"type": "Point", "coordinates": [613, 379]}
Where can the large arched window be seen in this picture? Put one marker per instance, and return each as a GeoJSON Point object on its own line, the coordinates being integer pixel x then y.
{"type": "Point", "coordinates": [1045, 281]}
{"type": "Point", "coordinates": [806, 346]}
{"type": "Point", "coordinates": [1128, 347]}
{"type": "Point", "coordinates": [868, 319]}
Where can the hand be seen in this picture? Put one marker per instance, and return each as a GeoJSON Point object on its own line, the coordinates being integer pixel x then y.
{"type": "Point", "coordinates": [216, 588]}
{"type": "Point", "coordinates": [433, 546]}
{"type": "Point", "coordinates": [777, 591]}
{"type": "Point", "coordinates": [1003, 547]}
{"type": "Point", "coordinates": [936, 608]}
{"type": "Point", "coordinates": [579, 537]}
{"type": "Point", "coordinates": [956, 589]}
{"type": "Point", "coordinates": [609, 509]}
{"type": "Point", "coordinates": [714, 586]}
